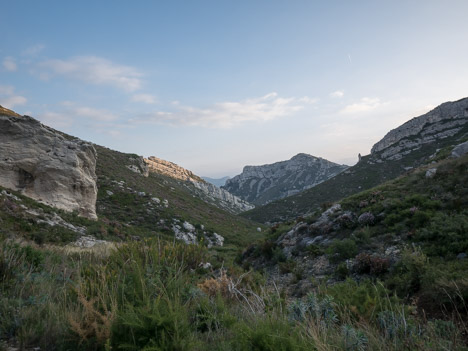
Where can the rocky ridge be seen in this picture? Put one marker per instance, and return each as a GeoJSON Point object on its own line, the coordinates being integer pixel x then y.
{"type": "Point", "coordinates": [444, 121]}
{"type": "Point", "coordinates": [44, 165]}
{"type": "Point", "coordinates": [420, 141]}
{"type": "Point", "coordinates": [199, 186]}
{"type": "Point", "coordinates": [266, 183]}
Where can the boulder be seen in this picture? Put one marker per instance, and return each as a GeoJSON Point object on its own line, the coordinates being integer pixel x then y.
{"type": "Point", "coordinates": [431, 172]}
{"type": "Point", "coordinates": [460, 150]}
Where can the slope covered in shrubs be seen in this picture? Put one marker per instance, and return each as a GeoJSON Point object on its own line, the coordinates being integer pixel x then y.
{"type": "Point", "coordinates": [409, 235]}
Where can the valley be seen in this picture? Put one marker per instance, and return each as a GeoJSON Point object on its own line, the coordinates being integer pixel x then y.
{"type": "Point", "coordinates": [372, 256]}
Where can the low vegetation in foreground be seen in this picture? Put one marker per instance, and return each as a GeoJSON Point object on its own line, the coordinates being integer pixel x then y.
{"type": "Point", "coordinates": [158, 295]}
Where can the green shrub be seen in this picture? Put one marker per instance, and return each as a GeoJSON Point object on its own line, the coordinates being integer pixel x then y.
{"type": "Point", "coordinates": [407, 275]}
{"type": "Point", "coordinates": [314, 250]}
{"type": "Point", "coordinates": [360, 300]}
{"type": "Point", "coordinates": [287, 266]}
{"type": "Point", "coordinates": [342, 271]}
{"type": "Point", "coordinates": [268, 334]}
{"type": "Point", "coordinates": [163, 324]}
{"type": "Point", "coordinates": [342, 249]}
{"type": "Point", "coordinates": [445, 236]}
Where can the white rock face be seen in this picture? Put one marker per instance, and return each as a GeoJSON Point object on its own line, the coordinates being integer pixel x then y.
{"type": "Point", "coordinates": [442, 122]}
{"type": "Point", "coordinates": [140, 168]}
{"type": "Point", "coordinates": [207, 191]}
{"type": "Point", "coordinates": [188, 226]}
{"type": "Point", "coordinates": [263, 184]}
{"type": "Point", "coordinates": [188, 237]}
{"type": "Point", "coordinates": [87, 241]}
{"type": "Point", "coordinates": [42, 164]}
{"type": "Point", "coordinates": [188, 234]}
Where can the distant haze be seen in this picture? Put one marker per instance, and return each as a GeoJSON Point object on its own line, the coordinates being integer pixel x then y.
{"type": "Point", "coordinates": [216, 85]}
{"type": "Point", "coordinates": [219, 182]}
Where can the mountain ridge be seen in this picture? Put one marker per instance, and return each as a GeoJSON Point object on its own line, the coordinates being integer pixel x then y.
{"type": "Point", "coordinates": [197, 185]}
{"type": "Point", "coordinates": [265, 183]}
{"type": "Point", "coordinates": [423, 139]}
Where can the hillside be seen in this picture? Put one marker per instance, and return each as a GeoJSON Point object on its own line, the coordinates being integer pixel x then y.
{"type": "Point", "coordinates": [263, 184]}
{"type": "Point", "coordinates": [153, 203]}
{"type": "Point", "coordinates": [384, 269]}
{"type": "Point", "coordinates": [410, 233]}
{"type": "Point", "coordinates": [129, 201]}
{"type": "Point", "coordinates": [198, 186]}
{"type": "Point", "coordinates": [419, 141]}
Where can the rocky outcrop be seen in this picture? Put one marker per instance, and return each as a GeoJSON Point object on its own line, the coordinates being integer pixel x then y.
{"type": "Point", "coordinates": [445, 121]}
{"type": "Point", "coordinates": [139, 166]}
{"type": "Point", "coordinates": [460, 150]}
{"type": "Point", "coordinates": [46, 166]}
{"type": "Point", "coordinates": [263, 184]}
{"type": "Point", "coordinates": [206, 191]}
{"type": "Point", "coordinates": [187, 233]}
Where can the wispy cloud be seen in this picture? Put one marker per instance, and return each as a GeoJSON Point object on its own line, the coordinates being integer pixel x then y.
{"type": "Point", "coordinates": [79, 112]}
{"type": "Point", "coordinates": [69, 113]}
{"type": "Point", "coordinates": [9, 99]}
{"type": "Point", "coordinates": [364, 105]}
{"type": "Point", "coordinates": [6, 90]}
{"type": "Point", "coordinates": [94, 70]}
{"type": "Point", "coordinates": [145, 98]}
{"type": "Point", "coordinates": [33, 50]}
{"type": "Point", "coordinates": [229, 114]}
{"type": "Point", "coordinates": [337, 94]}
{"type": "Point", "coordinates": [9, 64]}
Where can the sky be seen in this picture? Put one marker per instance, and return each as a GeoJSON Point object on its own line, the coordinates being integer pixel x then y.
{"type": "Point", "coordinates": [217, 85]}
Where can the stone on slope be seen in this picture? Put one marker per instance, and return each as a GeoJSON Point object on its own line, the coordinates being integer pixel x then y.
{"type": "Point", "coordinates": [460, 150]}
{"type": "Point", "coordinates": [42, 164]}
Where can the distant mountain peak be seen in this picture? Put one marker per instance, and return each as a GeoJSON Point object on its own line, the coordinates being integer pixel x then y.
{"type": "Point", "coordinates": [266, 183]}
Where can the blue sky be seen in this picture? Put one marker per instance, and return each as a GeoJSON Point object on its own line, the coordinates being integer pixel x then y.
{"type": "Point", "coordinates": [216, 85]}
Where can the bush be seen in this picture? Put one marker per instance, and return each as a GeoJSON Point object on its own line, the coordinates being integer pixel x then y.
{"type": "Point", "coordinates": [445, 235]}
{"type": "Point", "coordinates": [342, 271]}
{"type": "Point", "coordinates": [407, 275]}
{"type": "Point", "coordinates": [268, 334]}
{"type": "Point", "coordinates": [161, 325]}
{"type": "Point", "coordinates": [362, 300]}
{"type": "Point", "coordinates": [342, 249]}
{"type": "Point", "coordinates": [367, 218]}
{"type": "Point", "coordinates": [314, 250]}
{"type": "Point", "coordinates": [371, 264]}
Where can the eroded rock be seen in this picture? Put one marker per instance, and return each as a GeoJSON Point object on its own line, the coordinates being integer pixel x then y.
{"type": "Point", "coordinates": [46, 166]}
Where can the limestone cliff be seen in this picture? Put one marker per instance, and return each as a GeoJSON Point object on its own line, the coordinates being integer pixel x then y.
{"type": "Point", "coordinates": [263, 184]}
{"type": "Point", "coordinates": [207, 191]}
{"type": "Point", "coordinates": [46, 166]}
{"type": "Point", "coordinates": [443, 122]}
